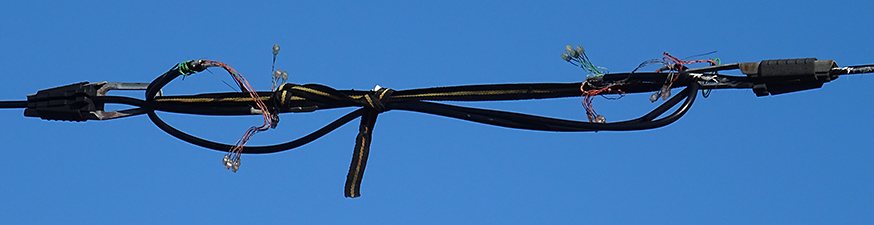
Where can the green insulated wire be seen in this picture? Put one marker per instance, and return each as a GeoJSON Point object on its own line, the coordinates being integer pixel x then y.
{"type": "Point", "coordinates": [579, 58]}
{"type": "Point", "coordinates": [184, 69]}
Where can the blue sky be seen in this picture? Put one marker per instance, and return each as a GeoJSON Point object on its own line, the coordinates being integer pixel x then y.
{"type": "Point", "coordinates": [799, 158]}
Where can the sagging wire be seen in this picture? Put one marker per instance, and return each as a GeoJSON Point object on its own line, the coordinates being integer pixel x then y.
{"type": "Point", "coordinates": [231, 160]}
{"type": "Point", "coordinates": [674, 67]}
{"type": "Point", "coordinates": [577, 56]}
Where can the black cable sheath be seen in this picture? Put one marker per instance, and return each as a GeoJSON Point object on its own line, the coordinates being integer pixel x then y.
{"type": "Point", "coordinates": [498, 118]}
{"type": "Point", "coordinates": [176, 108]}
{"type": "Point", "coordinates": [255, 149]}
{"type": "Point", "coordinates": [360, 154]}
{"type": "Point", "coordinates": [532, 122]}
{"type": "Point", "coordinates": [13, 104]}
{"type": "Point", "coordinates": [311, 97]}
{"type": "Point", "coordinates": [165, 78]}
{"type": "Point", "coordinates": [323, 97]}
{"type": "Point", "coordinates": [412, 100]}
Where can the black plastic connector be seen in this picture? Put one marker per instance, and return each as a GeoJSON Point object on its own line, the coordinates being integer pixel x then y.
{"type": "Point", "coordinates": [70, 103]}
{"type": "Point", "coordinates": [780, 76]}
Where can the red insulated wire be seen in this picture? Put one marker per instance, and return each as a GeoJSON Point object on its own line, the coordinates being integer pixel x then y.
{"type": "Point", "coordinates": [586, 98]}
{"type": "Point", "coordinates": [243, 83]}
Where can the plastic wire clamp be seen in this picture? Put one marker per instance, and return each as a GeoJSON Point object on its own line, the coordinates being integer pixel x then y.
{"type": "Point", "coordinates": [76, 102]}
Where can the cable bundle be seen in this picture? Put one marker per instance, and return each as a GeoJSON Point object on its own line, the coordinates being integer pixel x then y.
{"type": "Point", "coordinates": [84, 101]}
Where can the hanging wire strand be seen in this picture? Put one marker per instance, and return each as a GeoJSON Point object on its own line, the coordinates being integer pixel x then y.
{"type": "Point", "coordinates": [232, 159]}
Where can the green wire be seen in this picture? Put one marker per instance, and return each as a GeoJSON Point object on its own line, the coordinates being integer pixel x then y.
{"type": "Point", "coordinates": [590, 67]}
{"type": "Point", "coordinates": [183, 68]}
{"type": "Point", "coordinates": [577, 56]}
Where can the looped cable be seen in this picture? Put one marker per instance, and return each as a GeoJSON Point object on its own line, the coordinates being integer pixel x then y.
{"type": "Point", "coordinates": [374, 107]}
{"type": "Point", "coordinates": [376, 97]}
{"type": "Point", "coordinates": [310, 97]}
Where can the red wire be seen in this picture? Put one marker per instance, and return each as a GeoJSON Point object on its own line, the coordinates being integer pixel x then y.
{"type": "Point", "coordinates": [679, 64]}
{"type": "Point", "coordinates": [586, 98]}
{"type": "Point", "coordinates": [243, 83]}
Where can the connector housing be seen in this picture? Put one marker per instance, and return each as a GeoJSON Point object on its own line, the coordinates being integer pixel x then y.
{"type": "Point", "coordinates": [780, 76]}
{"type": "Point", "coordinates": [70, 103]}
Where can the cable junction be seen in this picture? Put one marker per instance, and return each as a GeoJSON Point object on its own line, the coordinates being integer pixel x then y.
{"type": "Point", "coordinates": [85, 101]}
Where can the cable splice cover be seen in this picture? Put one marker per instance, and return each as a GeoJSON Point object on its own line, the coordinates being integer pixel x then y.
{"type": "Point", "coordinates": [69, 103]}
{"type": "Point", "coordinates": [778, 76]}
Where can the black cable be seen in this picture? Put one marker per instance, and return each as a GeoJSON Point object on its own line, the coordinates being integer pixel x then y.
{"type": "Point", "coordinates": [255, 149]}
{"type": "Point", "coordinates": [323, 97]}
{"type": "Point", "coordinates": [165, 78]}
{"type": "Point", "coordinates": [13, 104]}
{"type": "Point", "coordinates": [857, 69]}
{"type": "Point", "coordinates": [78, 102]}
{"type": "Point", "coordinates": [316, 96]}
{"type": "Point", "coordinates": [532, 122]}
{"type": "Point", "coordinates": [176, 108]}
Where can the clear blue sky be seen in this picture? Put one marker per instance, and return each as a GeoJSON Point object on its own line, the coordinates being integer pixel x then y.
{"type": "Point", "coordinates": [799, 158]}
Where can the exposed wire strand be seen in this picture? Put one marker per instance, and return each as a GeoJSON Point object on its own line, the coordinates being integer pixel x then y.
{"type": "Point", "coordinates": [673, 66]}
{"type": "Point", "coordinates": [232, 159]}
{"type": "Point", "coordinates": [577, 56]}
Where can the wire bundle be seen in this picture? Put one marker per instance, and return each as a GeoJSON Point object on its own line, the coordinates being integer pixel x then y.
{"type": "Point", "coordinates": [312, 97]}
{"type": "Point", "coordinates": [232, 159]}
{"type": "Point", "coordinates": [673, 66]}
{"type": "Point", "coordinates": [588, 97]}
{"type": "Point", "coordinates": [577, 56]}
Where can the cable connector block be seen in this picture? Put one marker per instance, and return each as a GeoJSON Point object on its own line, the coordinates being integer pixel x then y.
{"type": "Point", "coordinates": [780, 76]}
{"type": "Point", "coordinates": [69, 103]}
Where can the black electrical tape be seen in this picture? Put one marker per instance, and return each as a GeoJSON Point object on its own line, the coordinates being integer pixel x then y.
{"type": "Point", "coordinates": [359, 156]}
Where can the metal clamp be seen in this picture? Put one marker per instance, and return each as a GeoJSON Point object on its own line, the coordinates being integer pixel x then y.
{"type": "Point", "coordinates": [106, 87]}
